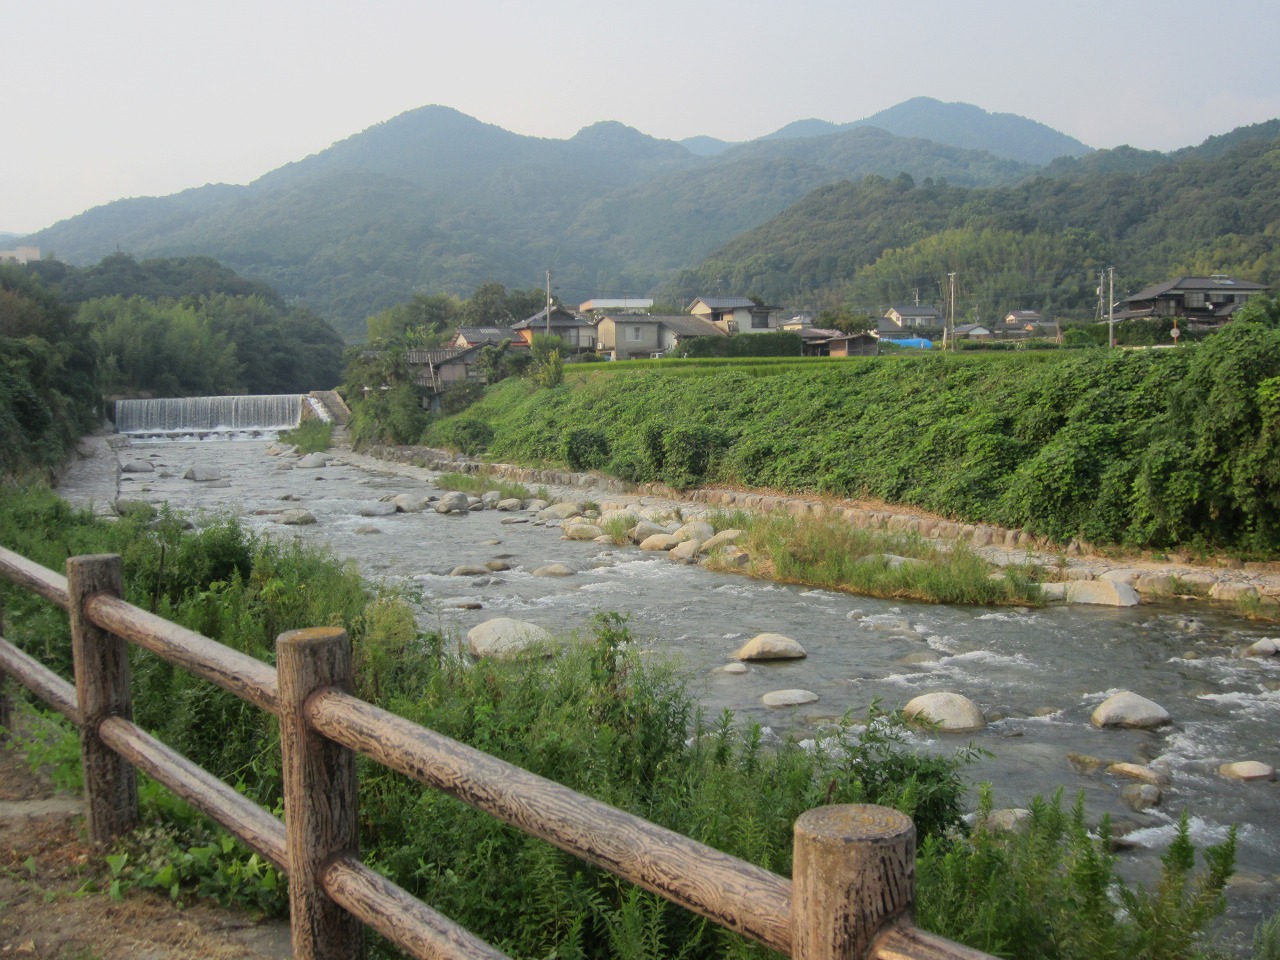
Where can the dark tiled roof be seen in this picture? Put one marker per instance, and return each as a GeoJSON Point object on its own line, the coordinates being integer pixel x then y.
{"type": "Point", "coordinates": [560, 317]}
{"type": "Point", "coordinates": [910, 310]}
{"type": "Point", "coordinates": [679, 324]}
{"type": "Point", "coordinates": [725, 303]}
{"type": "Point", "coordinates": [480, 334]}
{"type": "Point", "coordinates": [1197, 285]}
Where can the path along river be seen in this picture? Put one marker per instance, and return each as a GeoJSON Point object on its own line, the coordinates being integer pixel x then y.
{"type": "Point", "coordinates": [1041, 671]}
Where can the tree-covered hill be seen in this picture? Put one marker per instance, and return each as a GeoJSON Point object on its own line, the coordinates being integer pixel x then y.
{"type": "Point", "coordinates": [1038, 244]}
{"type": "Point", "coordinates": [433, 200]}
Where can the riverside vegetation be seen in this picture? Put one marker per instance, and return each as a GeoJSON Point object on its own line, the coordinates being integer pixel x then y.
{"type": "Point", "coordinates": [1161, 449]}
{"type": "Point", "coordinates": [595, 717]}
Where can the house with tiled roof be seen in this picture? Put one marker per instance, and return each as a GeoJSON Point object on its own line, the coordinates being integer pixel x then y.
{"type": "Point", "coordinates": [632, 335]}
{"type": "Point", "coordinates": [479, 336]}
{"type": "Point", "coordinates": [578, 333]}
{"type": "Point", "coordinates": [914, 316]}
{"type": "Point", "coordinates": [1201, 301]}
{"type": "Point", "coordinates": [734, 314]}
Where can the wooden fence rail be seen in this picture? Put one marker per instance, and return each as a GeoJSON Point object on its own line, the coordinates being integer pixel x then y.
{"type": "Point", "coordinates": [851, 896]}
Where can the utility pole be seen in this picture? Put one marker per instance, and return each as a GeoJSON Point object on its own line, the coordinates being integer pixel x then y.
{"type": "Point", "coordinates": [951, 312]}
{"type": "Point", "coordinates": [1111, 306]}
{"type": "Point", "coordinates": [548, 301]}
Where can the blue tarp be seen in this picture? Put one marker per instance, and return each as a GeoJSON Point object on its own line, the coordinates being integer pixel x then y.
{"type": "Point", "coordinates": [920, 343]}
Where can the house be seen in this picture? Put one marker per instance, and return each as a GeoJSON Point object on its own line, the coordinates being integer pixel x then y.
{"type": "Point", "coordinates": [479, 336]}
{"type": "Point", "coordinates": [971, 331]}
{"type": "Point", "coordinates": [801, 321]}
{"type": "Point", "coordinates": [631, 335]}
{"type": "Point", "coordinates": [21, 255]}
{"type": "Point", "coordinates": [1023, 319]}
{"type": "Point", "coordinates": [435, 371]}
{"type": "Point", "coordinates": [889, 329]}
{"type": "Point", "coordinates": [853, 345]}
{"type": "Point", "coordinates": [915, 317]}
{"type": "Point", "coordinates": [615, 305]}
{"type": "Point", "coordinates": [1202, 301]}
{"type": "Point", "coordinates": [733, 314]}
{"type": "Point", "coordinates": [578, 333]}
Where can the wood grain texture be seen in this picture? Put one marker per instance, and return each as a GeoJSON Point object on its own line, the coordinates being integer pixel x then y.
{"type": "Point", "coordinates": [31, 576]}
{"type": "Point", "coordinates": [40, 680]}
{"type": "Point", "coordinates": [400, 917]}
{"type": "Point", "coordinates": [732, 892]}
{"type": "Point", "coordinates": [246, 677]}
{"type": "Point", "coordinates": [321, 816]}
{"type": "Point", "coordinates": [853, 874]}
{"type": "Point", "coordinates": [101, 661]}
{"type": "Point", "coordinates": [238, 814]}
{"type": "Point", "coordinates": [904, 942]}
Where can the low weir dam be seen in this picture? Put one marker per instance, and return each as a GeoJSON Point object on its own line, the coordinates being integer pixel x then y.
{"type": "Point", "coordinates": [173, 416]}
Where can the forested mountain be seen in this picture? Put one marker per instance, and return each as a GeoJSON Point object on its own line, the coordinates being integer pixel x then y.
{"type": "Point", "coordinates": [438, 201]}
{"type": "Point", "coordinates": [1038, 244]}
{"type": "Point", "coordinates": [960, 125]}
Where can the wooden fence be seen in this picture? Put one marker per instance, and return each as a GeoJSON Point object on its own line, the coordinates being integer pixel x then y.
{"type": "Point", "coordinates": [851, 894]}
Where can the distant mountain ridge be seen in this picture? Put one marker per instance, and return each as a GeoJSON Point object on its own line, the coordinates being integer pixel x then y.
{"type": "Point", "coordinates": [435, 200]}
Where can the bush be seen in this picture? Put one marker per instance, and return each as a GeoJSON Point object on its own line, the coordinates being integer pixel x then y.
{"type": "Point", "coordinates": [585, 448]}
{"type": "Point", "coordinates": [466, 435]}
{"type": "Point", "coordinates": [688, 452]}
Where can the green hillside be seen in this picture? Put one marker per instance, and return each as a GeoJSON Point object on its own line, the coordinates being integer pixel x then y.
{"type": "Point", "coordinates": [434, 200]}
{"type": "Point", "coordinates": [1038, 244]}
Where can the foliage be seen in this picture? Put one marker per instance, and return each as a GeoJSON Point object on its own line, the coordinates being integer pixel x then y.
{"type": "Point", "coordinates": [50, 389]}
{"type": "Point", "coordinates": [386, 405]}
{"type": "Point", "coordinates": [1266, 940]}
{"type": "Point", "coordinates": [312, 435]}
{"type": "Point", "coordinates": [780, 344]}
{"type": "Point", "coordinates": [598, 717]}
{"type": "Point", "coordinates": [586, 448]}
{"type": "Point", "coordinates": [1045, 891]}
{"type": "Point", "coordinates": [1154, 448]}
{"type": "Point", "coordinates": [467, 435]}
{"type": "Point", "coordinates": [477, 484]}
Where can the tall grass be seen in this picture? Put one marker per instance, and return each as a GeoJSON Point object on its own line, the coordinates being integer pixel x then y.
{"type": "Point", "coordinates": [598, 717]}
{"type": "Point", "coordinates": [477, 484]}
{"type": "Point", "coordinates": [839, 556]}
{"type": "Point", "coordinates": [310, 436]}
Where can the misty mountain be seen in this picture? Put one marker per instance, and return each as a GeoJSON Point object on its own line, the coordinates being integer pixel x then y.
{"type": "Point", "coordinates": [436, 200]}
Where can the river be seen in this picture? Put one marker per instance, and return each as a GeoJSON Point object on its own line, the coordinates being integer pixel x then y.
{"type": "Point", "coordinates": [1041, 672]}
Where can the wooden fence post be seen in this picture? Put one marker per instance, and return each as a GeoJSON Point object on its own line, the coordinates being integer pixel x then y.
{"type": "Point", "coordinates": [101, 662]}
{"type": "Point", "coordinates": [320, 812]}
{"type": "Point", "coordinates": [853, 876]}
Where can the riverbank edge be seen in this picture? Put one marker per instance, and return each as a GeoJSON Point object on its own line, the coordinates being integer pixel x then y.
{"type": "Point", "coordinates": [1226, 581]}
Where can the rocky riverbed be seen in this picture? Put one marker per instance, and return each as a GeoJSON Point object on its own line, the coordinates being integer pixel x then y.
{"type": "Point", "coordinates": [1028, 686]}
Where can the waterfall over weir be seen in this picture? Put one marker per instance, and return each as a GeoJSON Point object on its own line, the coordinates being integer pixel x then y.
{"type": "Point", "coordinates": [201, 415]}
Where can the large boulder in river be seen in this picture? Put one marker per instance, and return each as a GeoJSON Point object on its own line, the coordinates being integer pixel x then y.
{"type": "Point", "coordinates": [788, 698]}
{"type": "Point", "coordinates": [454, 502]}
{"type": "Point", "coordinates": [409, 502]}
{"type": "Point", "coordinates": [770, 646]}
{"type": "Point", "coordinates": [698, 530]}
{"type": "Point", "coordinates": [659, 541]}
{"type": "Point", "coordinates": [561, 511]}
{"type": "Point", "coordinates": [503, 637]}
{"type": "Point", "coordinates": [1127, 709]}
{"type": "Point", "coordinates": [296, 518]}
{"type": "Point", "coordinates": [312, 461]}
{"type": "Point", "coordinates": [949, 712]}
{"type": "Point", "coordinates": [377, 508]}
{"type": "Point", "coordinates": [201, 474]}
{"type": "Point", "coordinates": [580, 531]}
{"type": "Point", "coordinates": [1102, 592]}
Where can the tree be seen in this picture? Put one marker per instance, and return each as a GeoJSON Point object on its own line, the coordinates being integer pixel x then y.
{"type": "Point", "coordinates": [844, 320]}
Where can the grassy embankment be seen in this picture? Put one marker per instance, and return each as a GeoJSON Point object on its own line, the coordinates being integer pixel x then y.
{"type": "Point", "coordinates": [1164, 450]}
{"type": "Point", "coordinates": [596, 717]}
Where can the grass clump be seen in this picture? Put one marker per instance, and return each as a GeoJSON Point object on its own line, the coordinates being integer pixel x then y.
{"type": "Point", "coordinates": [310, 436]}
{"type": "Point", "coordinates": [1048, 889]}
{"type": "Point", "coordinates": [477, 484]}
{"type": "Point", "coordinates": [839, 556]}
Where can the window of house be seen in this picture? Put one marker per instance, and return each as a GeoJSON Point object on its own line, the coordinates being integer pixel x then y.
{"type": "Point", "coordinates": [759, 323]}
{"type": "Point", "coordinates": [633, 333]}
{"type": "Point", "coordinates": [1193, 301]}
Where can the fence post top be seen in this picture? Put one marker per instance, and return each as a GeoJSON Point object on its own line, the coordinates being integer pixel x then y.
{"type": "Point", "coordinates": [93, 558]}
{"type": "Point", "coordinates": [853, 823]}
{"type": "Point", "coordinates": [311, 637]}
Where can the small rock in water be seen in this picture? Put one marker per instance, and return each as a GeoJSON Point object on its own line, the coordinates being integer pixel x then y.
{"type": "Point", "coordinates": [296, 518]}
{"type": "Point", "coordinates": [555, 570]}
{"type": "Point", "coordinates": [365, 531]}
{"type": "Point", "coordinates": [1266, 647]}
{"type": "Point", "coordinates": [1084, 763]}
{"type": "Point", "coordinates": [497, 566]}
{"type": "Point", "coordinates": [1247, 770]}
{"type": "Point", "coordinates": [467, 605]}
{"type": "Point", "coordinates": [949, 712]}
{"type": "Point", "coordinates": [734, 668]}
{"type": "Point", "coordinates": [469, 570]}
{"type": "Point", "coordinates": [1141, 796]}
{"type": "Point", "coordinates": [770, 646]}
{"type": "Point", "coordinates": [788, 698]}
{"type": "Point", "coordinates": [1135, 771]}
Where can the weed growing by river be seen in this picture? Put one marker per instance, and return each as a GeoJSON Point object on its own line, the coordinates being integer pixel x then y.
{"type": "Point", "coordinates": [477, 484]}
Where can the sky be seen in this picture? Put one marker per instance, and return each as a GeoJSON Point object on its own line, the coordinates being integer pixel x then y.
{"type": "Point", "coordinates": [141, 98]}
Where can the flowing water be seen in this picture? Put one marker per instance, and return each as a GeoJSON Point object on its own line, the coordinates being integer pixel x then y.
{"type": "Point", "coordinates": [208, 415]}
{"type": "Point", "coordinates": [1041, 670]}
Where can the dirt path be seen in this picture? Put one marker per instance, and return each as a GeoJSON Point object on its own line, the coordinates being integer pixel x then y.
{"type": "Point", "coordinates": [49, 908]}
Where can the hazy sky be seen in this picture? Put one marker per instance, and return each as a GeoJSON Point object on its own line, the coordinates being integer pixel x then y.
{"type": "Point", "coordinates": [133, 98]}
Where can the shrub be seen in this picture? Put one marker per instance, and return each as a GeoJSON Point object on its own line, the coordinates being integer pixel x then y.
{"type": "Point", "coordinates": [585, 448]}
{"type": "Point", "coordinates": [466, 435]}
